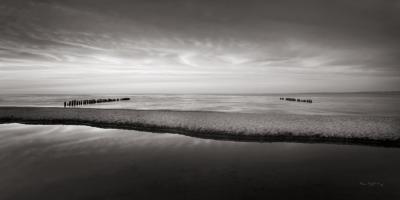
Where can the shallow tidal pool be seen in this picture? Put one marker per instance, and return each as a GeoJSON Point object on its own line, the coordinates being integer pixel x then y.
{"type": "Point", "coordinates": [81, 162]}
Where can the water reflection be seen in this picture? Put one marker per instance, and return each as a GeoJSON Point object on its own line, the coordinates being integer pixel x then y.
{"type": "Point", "coordinates": [80, 162]}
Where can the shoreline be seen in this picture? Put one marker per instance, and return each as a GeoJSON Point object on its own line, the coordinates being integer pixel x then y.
{"type": "Point", "coordinates": [143, 120]}
{"type": "Point", "coordinates": [219, 135]}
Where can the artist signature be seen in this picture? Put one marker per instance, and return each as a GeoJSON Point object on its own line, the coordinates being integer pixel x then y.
{"type": "Point", "coordinates": [371, 184]}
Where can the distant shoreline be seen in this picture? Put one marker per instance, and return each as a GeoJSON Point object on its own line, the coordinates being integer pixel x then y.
{"type": "Point", "coordinates": [219, 126]}
{"type": "Point", "coordinates": [233, 93]}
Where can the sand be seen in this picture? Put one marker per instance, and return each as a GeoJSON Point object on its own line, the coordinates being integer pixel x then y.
{"type": "Point", "coordinates": [374, 130]}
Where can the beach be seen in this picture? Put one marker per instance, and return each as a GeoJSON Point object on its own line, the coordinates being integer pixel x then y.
{"type": "Point", "coordinates": [199, 100]}
{"type": "Point", "coordinates": [360, 129]}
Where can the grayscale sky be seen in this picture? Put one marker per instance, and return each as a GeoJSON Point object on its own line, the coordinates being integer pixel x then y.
{"type": "Point", "coordinates": [199, 46]}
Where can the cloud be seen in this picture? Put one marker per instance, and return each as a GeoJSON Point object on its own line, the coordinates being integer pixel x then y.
{"type": "Point", "coordinates": [249, 46]}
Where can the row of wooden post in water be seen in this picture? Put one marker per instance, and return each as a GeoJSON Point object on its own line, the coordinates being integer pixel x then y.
{"type": "Point", "coordinates": [298, 100]}
{"type": "Point", "coordinates": [74, 103]}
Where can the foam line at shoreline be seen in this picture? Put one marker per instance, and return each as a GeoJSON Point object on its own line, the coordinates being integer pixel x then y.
{"type": "Point", "coordinates": [371, 130]}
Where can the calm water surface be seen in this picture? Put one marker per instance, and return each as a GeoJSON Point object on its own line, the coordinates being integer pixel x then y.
{"type": "Point", "coordinates": [383, 103]}
{"type": "Point", "coordinates": [79, 162]}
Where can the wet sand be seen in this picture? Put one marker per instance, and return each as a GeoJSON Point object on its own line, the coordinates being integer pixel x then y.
{"type": "Point", "coordinates": [369, 130]}
{"type": "Point", "coordinates": [80, 162]}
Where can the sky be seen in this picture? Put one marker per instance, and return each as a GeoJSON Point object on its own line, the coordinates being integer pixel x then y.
{"type": "Point", "coordinates": [199, 46]}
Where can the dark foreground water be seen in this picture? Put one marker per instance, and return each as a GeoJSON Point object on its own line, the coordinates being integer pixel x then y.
{"type": "Point", "coordinates": [79, 162]}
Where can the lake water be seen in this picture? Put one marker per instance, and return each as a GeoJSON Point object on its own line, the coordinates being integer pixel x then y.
{"type": "Point", "coordinates": [80, 162]}
{"type": "Point", "coordinates": [382, 103]}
